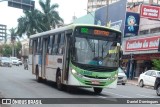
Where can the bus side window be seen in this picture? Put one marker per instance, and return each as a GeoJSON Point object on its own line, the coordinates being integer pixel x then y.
{"type": "Point", "coordinates": [50, 40]}
{"type": "Point", "coordinates": [55, 45]}
{"type": "Point", "coordinates": [40, 45]}
{"type": "Point", "coordinates": [30, 47]}
{"type": "Point", "coordinates": [38, 41]}
{"type": "Point", "coordinates": [61, 45]}
{"type": "Point", "coordinates": [35, 48]}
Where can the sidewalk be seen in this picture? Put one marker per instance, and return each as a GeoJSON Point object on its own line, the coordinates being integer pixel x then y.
{"type": "Point", "coordinates": [133, 81]}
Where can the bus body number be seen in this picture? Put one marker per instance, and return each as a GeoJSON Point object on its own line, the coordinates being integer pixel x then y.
{"type": "Point", "coordinates": [87, 73]}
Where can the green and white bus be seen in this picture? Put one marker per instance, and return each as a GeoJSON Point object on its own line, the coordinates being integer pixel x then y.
{"type": "Point", "coordinates": [76, 55]}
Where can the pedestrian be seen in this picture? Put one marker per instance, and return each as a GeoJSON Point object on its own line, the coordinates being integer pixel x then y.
{"type": "Point", "coordinates": [26, 64]}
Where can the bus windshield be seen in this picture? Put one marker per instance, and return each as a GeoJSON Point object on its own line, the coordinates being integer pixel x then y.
{"type": "Point", "coordinates": [99, 52]}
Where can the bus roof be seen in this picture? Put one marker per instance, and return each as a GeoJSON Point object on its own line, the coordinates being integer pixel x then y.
{"type": "Point", "coordinates": [68, 27]}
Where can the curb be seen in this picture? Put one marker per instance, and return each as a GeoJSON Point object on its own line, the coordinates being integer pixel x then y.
{"type": "Point", "coordinates": [132, 83]}
{"type": "Point", "coordinates": [136, 84]}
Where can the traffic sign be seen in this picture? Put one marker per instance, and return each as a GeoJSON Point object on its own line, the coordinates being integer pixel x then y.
{"type": "Point", "coordinates": [22, 4]}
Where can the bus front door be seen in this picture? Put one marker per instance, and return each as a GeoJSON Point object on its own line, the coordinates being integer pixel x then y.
{"type": "Point", "coordinates": [66, 59]}
{"type": "Point", "coordinates": [44, 53]}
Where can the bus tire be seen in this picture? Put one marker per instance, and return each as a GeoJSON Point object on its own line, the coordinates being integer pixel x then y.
{"type": "Point", "coordinates": [58, 80]}
{"type": "Point", "coordinates": [37, 74]}
{"type": "Point", "coordinates": [97, 90]}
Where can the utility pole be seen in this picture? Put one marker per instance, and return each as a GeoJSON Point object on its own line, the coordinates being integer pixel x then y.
{"type": "Point", "coordinates": [107, 12]}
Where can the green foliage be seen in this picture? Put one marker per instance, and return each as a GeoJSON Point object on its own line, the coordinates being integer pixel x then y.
{"type": "Point", "coordinates": [18, 47]}
{"type": "Point", "coordinates": [13, 33]}
{"type": "Point", "coordinates": [6, 50]}
{"type": "Point", "coordinates": [37, 21]}
{"type": "Point", "coordinates": [156, 64]}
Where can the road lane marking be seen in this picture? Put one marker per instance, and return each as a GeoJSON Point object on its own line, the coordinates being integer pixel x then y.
{"type": "Point", "coordinates": [102, 97]}
{"type": "Point", "coordinates": [118, 94]}
{"type": "Point", "coordinates": [144, 95]}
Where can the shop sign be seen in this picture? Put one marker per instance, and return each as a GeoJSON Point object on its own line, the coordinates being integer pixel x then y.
{"type": "Point", "coordinates": [142, 44]}
{"type": "Point", "coordinates": [151, 12]}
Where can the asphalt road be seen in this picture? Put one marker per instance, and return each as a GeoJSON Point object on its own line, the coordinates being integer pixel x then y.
{"type": "Point", "coordinates": [16, 82]}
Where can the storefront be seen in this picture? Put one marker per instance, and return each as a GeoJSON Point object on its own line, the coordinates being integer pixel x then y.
{"type": "Point", "coordinates": [138, 53]}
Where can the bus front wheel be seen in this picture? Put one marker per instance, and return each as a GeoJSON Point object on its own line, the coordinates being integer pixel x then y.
{"type": "Point", "coordinates": [97, 90]}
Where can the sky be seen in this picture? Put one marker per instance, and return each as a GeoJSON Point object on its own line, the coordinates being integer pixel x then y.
{"type": "Point", "coordinates": [67, 9]}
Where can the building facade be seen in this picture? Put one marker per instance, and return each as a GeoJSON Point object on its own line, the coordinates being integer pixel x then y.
{"type": "Point", "coordinates": [25, 49]}
{"type": "Point", "coordinates": [140, 50]}
{"type": "Point", "coordinates": [95, 4]}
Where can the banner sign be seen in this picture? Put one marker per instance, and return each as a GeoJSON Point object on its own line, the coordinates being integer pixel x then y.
{"type": "Point", "coordinates": [142, 44]}
{"type": "Point", "coordinates": [151, 12]}
{"type": "Point", "coordinates": [38, 101]}
{"type": "Point", "coordinates": [109, 16]}
{"type": "Point", "coordinates": [131, 24]}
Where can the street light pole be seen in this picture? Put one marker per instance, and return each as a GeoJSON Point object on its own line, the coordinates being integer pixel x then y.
{"type": "Point", "coordinates": [107, 12]}
{"type": "Point", "coordinates": [131, 66]}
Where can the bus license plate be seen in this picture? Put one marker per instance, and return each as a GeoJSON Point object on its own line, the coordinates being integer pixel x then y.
{"type": "Point", "coordinates": [95, 82]}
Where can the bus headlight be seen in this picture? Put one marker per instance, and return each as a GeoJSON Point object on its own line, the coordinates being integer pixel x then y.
{"type": "Point", "coordinates": [73, 71]}
{"type": "Point", "coordinates": [116, 75]}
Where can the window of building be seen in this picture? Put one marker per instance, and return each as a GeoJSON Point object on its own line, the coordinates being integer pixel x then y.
{"type": "Point", "coordinates": [144, 32]}
{"type": "Point", "coordinates": [155, 30]}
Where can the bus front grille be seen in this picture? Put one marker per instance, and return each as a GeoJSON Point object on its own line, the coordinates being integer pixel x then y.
{"type": "Point", "coordinates": [95, 77]}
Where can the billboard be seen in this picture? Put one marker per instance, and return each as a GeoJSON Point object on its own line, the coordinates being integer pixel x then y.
{"type": "Point", "coordinates": [151, 12]}
{"type": "Point", "coordinates": [149, 17]}
{"type": "Point", "coordinates": [112, 15]}
{"type": "Point", "coordinates": [131, 24]}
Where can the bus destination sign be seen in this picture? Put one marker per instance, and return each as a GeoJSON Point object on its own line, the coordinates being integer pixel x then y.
{"type": "Point", "coordinates": [96, 32]}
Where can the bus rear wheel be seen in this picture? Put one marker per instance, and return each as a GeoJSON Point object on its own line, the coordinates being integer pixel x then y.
{"type": "Point", "coordinates": [58, 81]}
{"type": "Point", "coordinates": [97, 90]}
{"type": "Point", "coordinates": [39, 79]}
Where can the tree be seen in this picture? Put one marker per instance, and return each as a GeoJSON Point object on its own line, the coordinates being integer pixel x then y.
{"type": "Point", "coordinates": [156, 64]}
{"type": "Point", "coordinates": [36, 21]}
{"type": "Point", "coordinates": [50, 16]}
{"type": "Point", "coordinates": [13, 34]}
{"type": "Point", "coordinates": [30, 23]}
{"type": "Point", "coordinates": [6, 50]}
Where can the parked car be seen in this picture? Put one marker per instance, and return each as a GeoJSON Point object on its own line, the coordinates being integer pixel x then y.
{"type": "Point", "coordinates": [15, 61]}
{"type": "Point", "coordinates": [148, 78]}
{"type": "Point", "coordinates": [20, 62]}
{"type": "Point", "coordinates": [5, 61]}
{"type": "Point", "coordinates": [122, 78]}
